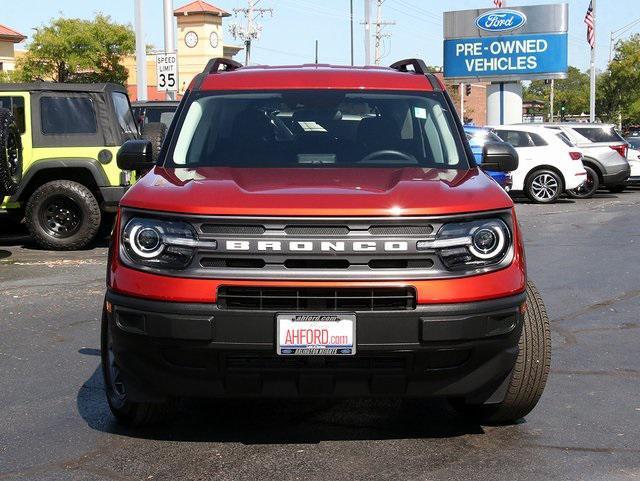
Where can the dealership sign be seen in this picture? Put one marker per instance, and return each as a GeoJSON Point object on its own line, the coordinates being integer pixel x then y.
{"type": "Point", "coordinates": [521, 43]}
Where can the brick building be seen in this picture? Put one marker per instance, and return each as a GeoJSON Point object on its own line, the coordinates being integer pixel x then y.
{"type": "Point", "coordinates": [475, 104]}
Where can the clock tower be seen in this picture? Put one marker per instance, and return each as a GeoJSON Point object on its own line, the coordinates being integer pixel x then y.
{"type": "Point", "coordinates": [199, 39]}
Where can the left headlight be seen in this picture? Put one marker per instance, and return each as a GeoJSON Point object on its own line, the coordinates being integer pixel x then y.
{"type": "Point", "coordinates": [164, 244]}
{"type": "Point", "coordinates": [471, 245]}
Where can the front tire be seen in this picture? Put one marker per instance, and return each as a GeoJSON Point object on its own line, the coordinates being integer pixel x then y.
{"type": "Point", "coordinates": [127, 412]}
{"type": "Point", "coordinates": [63, 215]}
{"type": "Point", "coordinates": [543, 186]}
{"type": "Point", "coordinates": [589, 188]}
{"type": "Point", "coordinates": [530, 371]}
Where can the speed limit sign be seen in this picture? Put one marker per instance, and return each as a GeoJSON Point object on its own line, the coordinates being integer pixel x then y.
{"type": "Point", "coordinates": [167, 72]}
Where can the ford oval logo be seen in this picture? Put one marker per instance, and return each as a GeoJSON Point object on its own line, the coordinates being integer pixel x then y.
{"type": "Point", "coordinates": [501, 20]}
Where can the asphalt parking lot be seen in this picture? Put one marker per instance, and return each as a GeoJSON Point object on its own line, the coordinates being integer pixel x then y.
{"type": "Point", "coordinates": [584, 257]}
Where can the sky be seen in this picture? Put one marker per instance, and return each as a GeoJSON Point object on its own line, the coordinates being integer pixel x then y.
{"type": "Point", "coordinates": [289, 36]}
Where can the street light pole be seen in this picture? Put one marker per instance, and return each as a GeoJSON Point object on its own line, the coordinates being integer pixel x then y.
{"type": "Point", "coordinates": [367, 32]}
{"type": "Point", "coordinates": [351, 27]}
{"type": "Point", "coordinates": [169, 42]}
{"type": "Point", "coordinates": [141, 54]}
{"type": "Point", "coordinates": [552, 99]}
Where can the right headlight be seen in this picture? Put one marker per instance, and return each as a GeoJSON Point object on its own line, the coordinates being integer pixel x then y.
{"type": "Point", "coordinates": [471, 245]}
{"type": "Point", "coordinates": [159, 243]}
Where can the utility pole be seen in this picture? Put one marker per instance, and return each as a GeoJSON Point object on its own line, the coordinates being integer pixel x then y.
{"type": "Point", "coordinates": [141, 54]}
{"type": "Point", "coordinates": [616, 34]}
{"type": "Point", "coordinates": [367, 32]}
{"type": "Point", "coordinates": [169, 42]}
{"type": "Point", "coordinates": [552, 99]}
{"type": "Point", "coordinates": [379, 35]}
{"type": "Point", "coordinates": [251, 31]}
{"type": "Point", "coordinates": [316, 52]}
{"type": "Point", "coordinates": [351, 27]}
{"type": "Point", "coordinates": [462, 93]}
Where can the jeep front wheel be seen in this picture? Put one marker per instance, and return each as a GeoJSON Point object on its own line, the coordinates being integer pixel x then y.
{"type": "Point", "coordinates": [63, 215]}
{"type": "Point", "coordinates": [530, 371]}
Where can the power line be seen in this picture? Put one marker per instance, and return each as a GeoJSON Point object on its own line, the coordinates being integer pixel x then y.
{"type": "Point", "coordinates": [421, 11]}
{"type": "Point", "coordinates": [251, 31]}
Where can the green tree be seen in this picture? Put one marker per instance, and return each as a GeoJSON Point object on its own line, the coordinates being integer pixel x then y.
{"type": "Point", "coordinates": [618, 92]}
{"type": "Point", "coordinates": [76, 50]}
{"type": "Point", "coordinates": [9, 76]}
{"type": "Point", "coordinates": [574, 91]}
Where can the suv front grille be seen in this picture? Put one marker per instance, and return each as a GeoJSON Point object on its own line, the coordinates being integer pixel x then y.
{"type": "Point", "coordinates": [309, 260]}
{"type": "Point", "coordinates": [316, 299]}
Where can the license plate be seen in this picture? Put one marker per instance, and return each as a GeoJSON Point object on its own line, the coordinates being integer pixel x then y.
{"type": "Point", "coordinates": [316, 334]}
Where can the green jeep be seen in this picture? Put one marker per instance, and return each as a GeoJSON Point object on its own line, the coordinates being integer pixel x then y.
{"type": "Point", "coordinates": [70, 135]}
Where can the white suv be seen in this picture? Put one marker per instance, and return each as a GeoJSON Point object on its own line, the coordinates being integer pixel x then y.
{"type": "Point", "coordinates": [548, 164]}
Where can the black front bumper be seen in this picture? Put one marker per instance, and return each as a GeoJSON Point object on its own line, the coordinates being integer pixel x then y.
{"type": "Point", "coordinates": [168, 349]}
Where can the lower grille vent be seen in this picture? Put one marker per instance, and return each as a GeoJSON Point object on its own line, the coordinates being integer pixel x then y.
{"type": "Point", "coordinates": [316, 299]}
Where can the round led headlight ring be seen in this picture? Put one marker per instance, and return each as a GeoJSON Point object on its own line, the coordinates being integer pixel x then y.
{"type": "Point", "coordinates": [487, 242]}
{"type": "Point", "coordinates": [146, 242]}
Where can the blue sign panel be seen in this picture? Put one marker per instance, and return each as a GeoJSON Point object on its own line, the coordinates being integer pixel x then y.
{"type": "Point", "coordinates": [505, 56]}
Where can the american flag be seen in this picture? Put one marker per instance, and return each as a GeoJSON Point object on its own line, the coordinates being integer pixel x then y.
{"type": "Point", "coordinates": [498, 3]}
{"type": "Point", "coordinates": [589, 19]}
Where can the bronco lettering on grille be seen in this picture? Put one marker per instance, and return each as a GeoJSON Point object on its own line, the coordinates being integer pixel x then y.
{"type": "Point", "coordinates": [315, 246]}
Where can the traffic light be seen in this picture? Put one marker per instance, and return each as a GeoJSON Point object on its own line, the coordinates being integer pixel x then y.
{"type": "Point", "coordinates": [468, 89]}
{"type": "Point", "coordinates": [563, 110]}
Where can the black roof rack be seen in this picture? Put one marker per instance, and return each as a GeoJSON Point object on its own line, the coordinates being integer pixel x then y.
{"type": "Point", "coordinates": [213, 65]}
{"type": "Point", "coordinates": [418, 65]}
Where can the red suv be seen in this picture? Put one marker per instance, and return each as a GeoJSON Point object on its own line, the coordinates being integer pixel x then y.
{"type": "Point", "coordinates": [320, 231]}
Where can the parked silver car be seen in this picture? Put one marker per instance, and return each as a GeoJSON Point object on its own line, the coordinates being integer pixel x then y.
{"type": "Point", "coordinates": [604, 153]}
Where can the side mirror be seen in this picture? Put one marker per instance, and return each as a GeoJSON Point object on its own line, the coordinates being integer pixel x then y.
{"type": "Point", "coordinates": [135, 155]}
{"type": "Point", "coordinates": [499, 157]}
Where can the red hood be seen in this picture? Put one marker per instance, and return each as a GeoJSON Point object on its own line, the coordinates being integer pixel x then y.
{"type": "Point", "coordinates": [316, 192]}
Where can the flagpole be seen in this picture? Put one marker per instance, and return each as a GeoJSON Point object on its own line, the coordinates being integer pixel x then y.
{"type": "Point", "coordinates": [592, 102]}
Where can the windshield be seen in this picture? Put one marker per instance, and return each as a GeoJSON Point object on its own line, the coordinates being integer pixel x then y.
{"type": "Point", "coordinates": [318, 129]}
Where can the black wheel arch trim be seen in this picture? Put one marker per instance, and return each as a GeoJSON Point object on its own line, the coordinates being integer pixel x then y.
{"type": "Point", "coordinates": [595, 165]}
{"type": "Point", "coordinates": [92, 165]}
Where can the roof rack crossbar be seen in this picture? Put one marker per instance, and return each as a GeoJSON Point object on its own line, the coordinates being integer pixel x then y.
{"type": "Point", "coordinates": [418, 65]}
{"type": "Point", "coordinates": [213, 65]}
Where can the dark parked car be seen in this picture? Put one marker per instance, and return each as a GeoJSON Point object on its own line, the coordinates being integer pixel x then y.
{"type": "Point", "coordinates": [154, 111]}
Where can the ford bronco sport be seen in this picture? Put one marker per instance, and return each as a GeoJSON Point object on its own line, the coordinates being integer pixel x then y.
{"type": "Point", "coordinates": [70, 134]}
{"type": "Point", "coordinates": [320, 231]}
